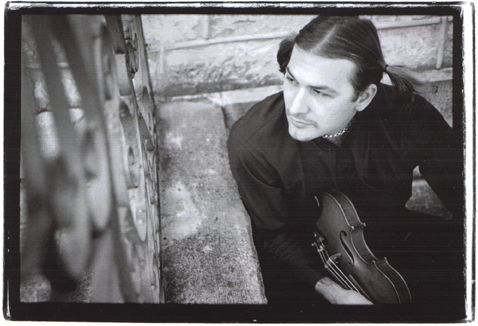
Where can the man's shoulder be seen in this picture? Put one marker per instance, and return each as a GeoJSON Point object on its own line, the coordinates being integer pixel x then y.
{"type": "Point", "coordinates": [263, 122]}
{"type": "Point", "coordinates": [413, 106]}
{"type": "Point", "coordinates": [398, 117]}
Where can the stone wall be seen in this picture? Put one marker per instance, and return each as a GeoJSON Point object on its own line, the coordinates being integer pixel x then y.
{"type": "Point", "coordinates": [193, 54]}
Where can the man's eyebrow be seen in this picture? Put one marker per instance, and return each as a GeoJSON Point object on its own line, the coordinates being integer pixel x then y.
{"type": "Point", "coordinates": [325, 88]}
{"type": "Point", "coordinates": [318, 87]}
{"type": "Point", "coordinates": [288, 71]}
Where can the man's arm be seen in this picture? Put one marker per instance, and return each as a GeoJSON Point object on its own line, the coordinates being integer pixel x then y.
{"type": "Point", "coordinates": [265, 202]}
{"type": "Point", "coordinates": [438, 154]}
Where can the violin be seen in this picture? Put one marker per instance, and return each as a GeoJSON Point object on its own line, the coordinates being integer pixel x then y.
{"type": "Point", "coordinates": [341, 246]}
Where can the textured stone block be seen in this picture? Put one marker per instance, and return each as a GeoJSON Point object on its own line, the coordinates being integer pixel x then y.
{"type": "Point", "coordinates": [414, 47]}
{"type": "Point", "coordinates": [207, 250]}
{"type": "Point", "coordinates": [383, 22]}
{"type": "Point", "coordinates": [220, 67]}
{"type": "Point", "coordinates": [236, 25]}
{"type": "Point", "coordinates": [169, 29]}
{"type": "Point", "coordinates": [440, 95]}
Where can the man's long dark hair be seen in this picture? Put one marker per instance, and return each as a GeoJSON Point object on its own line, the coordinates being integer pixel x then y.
{"type": "Point", "coordinates": [351, 38]}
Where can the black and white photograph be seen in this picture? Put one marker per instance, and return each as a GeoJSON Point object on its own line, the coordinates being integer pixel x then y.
{"type": "Point", "coordinates": [239, 162]}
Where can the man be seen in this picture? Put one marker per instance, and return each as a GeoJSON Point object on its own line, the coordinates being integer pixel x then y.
{"type": "Point", "coordinates": [335, 126]}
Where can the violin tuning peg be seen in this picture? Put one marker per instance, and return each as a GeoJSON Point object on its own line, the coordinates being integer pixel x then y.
{"type": "Point", "coordinates": [317, 201]}
{"type": "Point", "coordinates": [335, 256]}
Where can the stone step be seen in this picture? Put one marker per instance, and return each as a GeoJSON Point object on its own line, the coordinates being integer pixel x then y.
{"type": "Point", "coordinates": [207, 250]}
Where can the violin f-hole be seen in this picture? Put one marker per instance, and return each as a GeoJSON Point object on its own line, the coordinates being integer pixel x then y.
{"type": "Point", "coordinates": [343, 235]}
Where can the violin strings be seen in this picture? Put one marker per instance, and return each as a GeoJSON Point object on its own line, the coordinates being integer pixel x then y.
{"type": "Point", "coordinates": [334, 269]}
{"type": "Point", "coordinates": [330, 268]}
{"type": "Point", "coordinates": [336, 273]}
{"type": "Point", "coordinates": [340, 274]}
{"type": "Point", "coordinates": [350, 284]}
{"type": "Point", "coordinates": [327, 265]}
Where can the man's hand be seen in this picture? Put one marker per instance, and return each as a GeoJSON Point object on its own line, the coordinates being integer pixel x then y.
{"type": "Point", "coordinates": [336, 294]}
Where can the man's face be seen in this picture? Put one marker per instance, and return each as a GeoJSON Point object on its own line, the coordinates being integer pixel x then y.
{"type": "Point", "coordinates": [318, 94]}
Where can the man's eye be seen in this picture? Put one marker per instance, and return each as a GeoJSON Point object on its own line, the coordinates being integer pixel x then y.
{"type": "Point", "coordinates": [289, 78]}
{"type": "Point", "coordinates": [319, 92]}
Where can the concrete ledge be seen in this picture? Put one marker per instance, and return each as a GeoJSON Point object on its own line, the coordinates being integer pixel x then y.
{"type": "Point", "coordinates": [207, 251]}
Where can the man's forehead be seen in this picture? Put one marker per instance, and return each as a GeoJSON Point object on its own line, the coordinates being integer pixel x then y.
{"type": "Point", "coordinates": [310, 69]}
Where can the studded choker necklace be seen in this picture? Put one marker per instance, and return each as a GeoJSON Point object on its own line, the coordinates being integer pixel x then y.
{"type": "Point", "coordinates": [337, 134]}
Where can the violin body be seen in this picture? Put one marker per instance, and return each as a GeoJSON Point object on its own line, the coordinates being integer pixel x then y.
{"type": "Point", "coordinates": [347, 257]}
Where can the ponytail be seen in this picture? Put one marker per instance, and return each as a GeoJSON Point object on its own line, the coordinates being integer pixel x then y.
{"type": "Point", "coordinates": [403, 81]}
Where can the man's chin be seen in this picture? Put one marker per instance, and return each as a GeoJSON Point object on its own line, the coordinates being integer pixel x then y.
{"type": "Point", "coordinates": [301, 136]}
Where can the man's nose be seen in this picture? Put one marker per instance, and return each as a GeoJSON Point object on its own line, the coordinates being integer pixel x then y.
{"type": "Point", "coordinates": [299, 104]}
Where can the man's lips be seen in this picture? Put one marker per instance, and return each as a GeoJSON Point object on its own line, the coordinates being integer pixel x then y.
{"type": "Point", "coordinates": [300, 123]}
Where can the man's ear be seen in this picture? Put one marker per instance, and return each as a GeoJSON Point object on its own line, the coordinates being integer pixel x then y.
{"type": "Point", "coordinates": [365, 97]}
